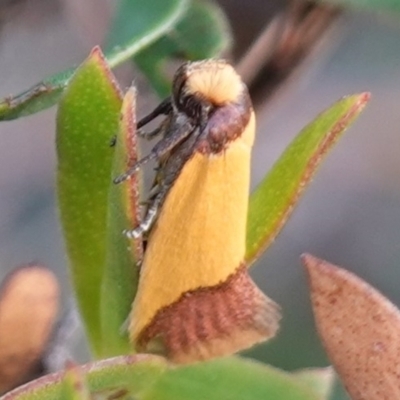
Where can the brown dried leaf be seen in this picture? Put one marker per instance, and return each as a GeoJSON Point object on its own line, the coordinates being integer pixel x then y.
{"type": "Point", "coordinates": [360, 330]}
{"type": "Point", "coordinates": [28, 307]}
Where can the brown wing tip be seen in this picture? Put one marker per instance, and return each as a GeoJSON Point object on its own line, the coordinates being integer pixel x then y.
{"type": "Point", "coordinates": [264, 326]}
{"type": "Point", "coordinates": [211, 322]}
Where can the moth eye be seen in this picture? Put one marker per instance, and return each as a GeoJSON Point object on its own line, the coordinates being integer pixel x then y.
{"type": "Point", "coordinates": [191, 106]}
{"type": "Point", "coordinates": [178, 87]}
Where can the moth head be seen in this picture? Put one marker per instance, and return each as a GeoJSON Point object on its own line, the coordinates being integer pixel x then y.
{"type": "Point", "coordinates": [199, 87]}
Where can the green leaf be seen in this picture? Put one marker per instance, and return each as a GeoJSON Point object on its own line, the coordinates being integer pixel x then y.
{"type": "Point", "coordinates": [74, 384]}
{"type": "Point", "coordinates": [151, 63]}
{"type": "Point", "coordinates": [320, 380]}
{"type": "Point", "coordinates": [86, 120]}
{"type": "Point", "coordinates": [230, 378]}
{"type": "Point", "coordinates": [274, 199]}
{"type": "Point", "coordinates": [202, 33]}
{"type": "Point", "coordinates": [379, 5]}
{"type": "Point", "coordinates": [139, 24]}
{"type": "Point", "coordinates": [151, 378]}
{"type": "Point", "coordinates": [39, 97]}
{"type": "Point", "coordinates": [153, 19]}
{"type": "Point", "coordinates": [121, 271]}
{"type": "Point", "coordinates": [111, 378]}
{"type": "Point", "coordinates": [134, 374]}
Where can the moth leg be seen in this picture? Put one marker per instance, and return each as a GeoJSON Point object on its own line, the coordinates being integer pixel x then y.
{"type": "Point", "coordinates": [149, 135]}
{"type": "Point", "coordinates": [143, 134]}
{"type": "Point", "coordinates": [154, 191]}
{"type": "Point", "coordinates": [159, 192]}
{"type": "Point", "coordinates": [164, 108]}
{"type": "Point", "coordinates": [156, 132]}
{"type": "Point", "coordinates": [179, 131]}
{"type": "Point", "coordinates": [149, 218]}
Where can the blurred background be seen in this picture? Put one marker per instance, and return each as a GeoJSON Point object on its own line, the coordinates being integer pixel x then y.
{"type": "Point", "coordinates": [350, 215]}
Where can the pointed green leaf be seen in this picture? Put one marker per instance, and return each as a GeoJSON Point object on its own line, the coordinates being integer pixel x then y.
{"type": "Point", "coordinates": [151, 378]}
{"type": "Point", "coordinates": [152, 20]}
{"type": "Point", "coordinates": [276, 196]}
{"type": "Point", "coordinates": [86, 120]}
{"type": "Point", "coordinates": [202, 33]}
{"type": "Point", "coordinates": [121, 270]}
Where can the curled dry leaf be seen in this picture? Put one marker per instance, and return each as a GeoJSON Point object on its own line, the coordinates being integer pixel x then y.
{"type": "Point", "coordinates": [28, 308]}
{"type": "Point", "coordinates": [360, 330]}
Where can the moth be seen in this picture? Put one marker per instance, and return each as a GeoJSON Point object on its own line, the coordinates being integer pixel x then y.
{"type": "Point", "coordinates": [195, 298]}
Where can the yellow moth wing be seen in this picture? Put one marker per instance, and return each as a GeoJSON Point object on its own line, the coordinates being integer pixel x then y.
{"type": "Point", "coordinates": [199, 237]}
